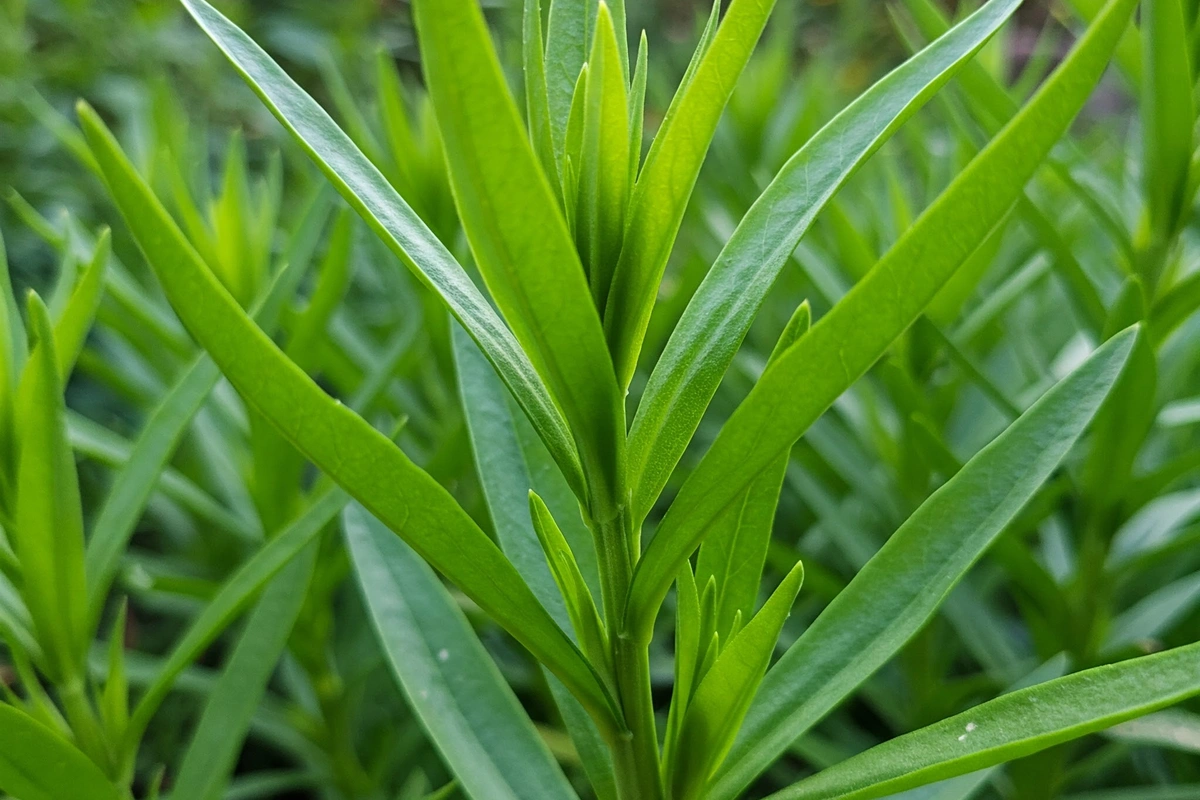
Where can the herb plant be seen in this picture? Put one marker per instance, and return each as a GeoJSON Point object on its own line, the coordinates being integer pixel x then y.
{"type": "Point", "coordinates": [587, 382]}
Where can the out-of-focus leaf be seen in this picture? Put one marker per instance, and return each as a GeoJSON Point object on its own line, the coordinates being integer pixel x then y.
{"type": "Point", "coordinates": [450, 680]}
{"type": "Point", "coordinates": [38, 764]}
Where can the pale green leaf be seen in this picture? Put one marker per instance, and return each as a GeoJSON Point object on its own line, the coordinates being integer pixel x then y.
{"type": "Point", "coordinates": [37, 764]}
{"type": "Point", "coordinates": [471, 714]}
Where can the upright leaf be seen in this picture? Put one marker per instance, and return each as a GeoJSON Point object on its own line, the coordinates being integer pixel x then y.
{"type": "Point", "coordinates": [400, 228]}
{"type": "Point", "coordinates": [719, 314]}
{"type": "Point", "coordinates": [71, 328]}
{"type": "Point", "coordinates": [897, 592]}
{"type": "Point", "coordinates": [450, 680]}
{"type": "Point", "coordinates": [724, 695]}
{"type": "Point", "coordinates": [521, 243]}
{"type": "Point", "coordinates": [1168, 113]}
{"type": "Point", "coordinates": [48, 538]}
{"type": "Point", "coordinates": [568, 38]}
{"type": "Point", "coordinates": [844, 344]}
{"type": "Point", "coordinates": [668, 177]}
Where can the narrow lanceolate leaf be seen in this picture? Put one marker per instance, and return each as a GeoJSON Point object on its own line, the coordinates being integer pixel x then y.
{"type": "Point", "coordinates": [723, 697]}
{"type": "Point", "coordinates": [140, 474]}
{"type": "Point", "coordinates": [604, 167]}
{"type": "Point", "coordinates": [568, 38]}
{"type": "Point", "coordinates": [1011, 727]}
{"type": "Point", "coordinates": [333, 437]}
{"type": "Point", "coordinates": [38, 764]}
{"type": "Point", "coordinates": [844, 344]}
{"type": "Point", "coordinates": [213, 752]}
{"type": "Point", "coordinates": [718, 316]}
{"type": "Point", "coordinates": [451, 682]}
{"type": "Point", "coordinates": [734, 553]}
{"type": "Point", "coordinates": [231, 600]}
{"type": "Point", "coordinates": [581, 606]}
{"type": "Point", "coordinates": [401, 229]}
{"type": "Point", "coordinates": [1168, 112]}
{"type": "Point", "coordinates": [668, 177]}
{"type": "Point", "coordinates": [537, 103]}
{"type": "Point", "coordinates": [71, 328]}
{"type": "Point", "coordinates": [508, 457]}
{"type": "Point", "coordinates": [898, 591]}
{"type": "Point", "coordinates": [49, 517]}
{"type": "Point", "coordinates": [521, 243]}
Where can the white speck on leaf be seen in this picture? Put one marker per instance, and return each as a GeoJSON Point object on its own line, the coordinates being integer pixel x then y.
{"type": "Point", "coordinates": [443, 655]}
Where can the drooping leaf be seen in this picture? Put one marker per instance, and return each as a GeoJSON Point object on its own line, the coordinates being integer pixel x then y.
{"type": "Point", "coordinates": [894, 595]}
{"type": "Point", "coordinates": [1011, 726]}
{"type": "Point", "coordinates": [369, 193]}
{"type": "Point", "coordinates": [474, 719]}
{"type": "Point", "coordinates": [844, 343]}
{"type": "Point", "coordinates": [720, 313]}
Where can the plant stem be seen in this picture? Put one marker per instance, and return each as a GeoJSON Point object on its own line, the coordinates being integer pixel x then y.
{"type": "Point", "coordinates": [635, 754]}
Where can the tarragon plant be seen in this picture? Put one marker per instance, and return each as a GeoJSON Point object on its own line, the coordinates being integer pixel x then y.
{"type": "Point", "coordinates": [569, 227]}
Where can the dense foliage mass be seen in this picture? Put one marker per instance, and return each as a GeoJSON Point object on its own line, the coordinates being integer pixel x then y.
{"type": "Point", "coordinates": [558, 399]}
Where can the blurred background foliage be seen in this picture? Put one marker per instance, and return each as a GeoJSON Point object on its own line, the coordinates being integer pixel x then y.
{"type": "Point", "coordinates": [1051, 282]}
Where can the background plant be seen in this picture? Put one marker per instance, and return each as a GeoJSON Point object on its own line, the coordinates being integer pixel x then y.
{"type": "Point", "coordinates": [1014, 413]}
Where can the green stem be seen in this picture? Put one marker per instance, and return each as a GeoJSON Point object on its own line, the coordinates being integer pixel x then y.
{"type": "Point", "coordinates": [635, 753]}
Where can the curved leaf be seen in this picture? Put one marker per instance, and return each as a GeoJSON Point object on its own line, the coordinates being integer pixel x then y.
{"type": "Point", "coordinates": [898, 591]}
{"type": "Point", "coordinates": [844, 344]}
{"type": "Point", "coordinates": [450, 680]}
{"type": "Point", "coordinates": [1011, 727]}
{"type": "Point", "coordinates": [358, 457]}
{"type": "Point", "coordinates": [716, 320]}
{"type": "Point", "coordinates": [401, 229]}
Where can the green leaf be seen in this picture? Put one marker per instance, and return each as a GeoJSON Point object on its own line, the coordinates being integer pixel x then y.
{"type": "Point", "coordinates": [568, 38]}
{"type": "Point", "coordinates": [231, 600]}
{"type": "Point", "coordinates": [470, 713]}
{"type": "Point", "coordinates": [1168, 114]}
{"type": "Point", "coordinates": [522, 245]}
{"type": "Point", "coordinates": [48, 538]}
{"type": "Point", "coordinates": [212, 753]}
{"type": "Point", "coordinates": [508, 467]}
{"type": "Point", "coordinates": [37, 764]}
{"type": "Point", "coordinates": [720, 313]}
{"type": "Point", "coordinates": [724, 695]}
{"type": "Point", "coordinates": [898, 591]}
{"type": "Point", "coordinates": [168, 422]}
{"type": "Point", "coordinates": [359, 458]}
{"type": "Point", "coordinates": [369, 193]}
{"type": "Point", "coordinates": [668, 177]}
{"type": "Point", "coordinates": [1011, 727]}
{"type": "Point", "coordinates": [537, 101]}
{"type": "Point", "coordinates": [844, 343]}
{"type": "Point", "coordinates": [581, 606]}
{"type": "Point", "coordinates": [604, 166]}
{"type": "Point", "coordinates": [637, 109]}
{"type": "Point", "coordinates": [71, 328]}
{"type": "Point", "coordinates": [734, 553]}
{"type": "Point", "coordinates": [12, 360]}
